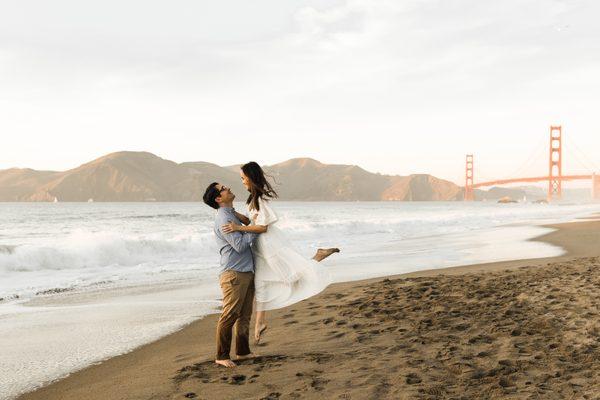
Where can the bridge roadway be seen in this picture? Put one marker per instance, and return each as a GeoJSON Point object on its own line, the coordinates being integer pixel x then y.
{"type": "Point", "coordinates": [534, 179]}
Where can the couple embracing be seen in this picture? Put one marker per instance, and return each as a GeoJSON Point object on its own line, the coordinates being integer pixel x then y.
{"type": "Point", "coordinates": [258, 264]}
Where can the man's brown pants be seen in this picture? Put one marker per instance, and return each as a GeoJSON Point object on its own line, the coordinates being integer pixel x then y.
{"type": "Point", "coordinates": [238, 298]}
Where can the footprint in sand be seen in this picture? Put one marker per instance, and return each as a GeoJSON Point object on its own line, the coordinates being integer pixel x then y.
{"type": "Point", "coordinates": [413, 379]}
{"type": "Point", "coordinates": [271, 396]}
{"type": "Point", "coordinates": [318, 383]}
{"type": "Point", "coordinates": [183, 357]}
{"type": "Point", "coordinates": [319, 358]}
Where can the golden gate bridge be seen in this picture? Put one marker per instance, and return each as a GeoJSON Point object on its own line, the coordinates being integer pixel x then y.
{"type": "Point", "coordinates": [555, 176]}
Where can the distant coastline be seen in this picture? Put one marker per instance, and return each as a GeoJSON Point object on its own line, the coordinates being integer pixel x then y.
{"type": "Point", "coordinates": [144, 177]}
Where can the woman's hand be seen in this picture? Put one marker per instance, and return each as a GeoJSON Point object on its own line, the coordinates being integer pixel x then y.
{"type": "Point", "coordinates": [230, 227]}
{"type": "Point", "coordinates": [243, 219]}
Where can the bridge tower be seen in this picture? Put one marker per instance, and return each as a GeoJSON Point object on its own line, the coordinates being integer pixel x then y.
{"type": "Point", "coordinates": [469, 193]}
{"type": "Point", "coordinates": [555, 173]}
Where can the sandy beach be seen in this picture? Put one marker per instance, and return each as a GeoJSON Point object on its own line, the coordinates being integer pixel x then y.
{"type": "Point", "coordinates": [523, 329]}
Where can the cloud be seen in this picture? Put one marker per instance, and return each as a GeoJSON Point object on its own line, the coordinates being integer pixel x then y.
{"type": "Point", "coordinates": [352, 76]}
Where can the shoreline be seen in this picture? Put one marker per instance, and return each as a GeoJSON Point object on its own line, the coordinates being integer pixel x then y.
{"type": "Point", "coordinates": [54, 349]}
{"type": "Point", "coordinates": [148, 371]}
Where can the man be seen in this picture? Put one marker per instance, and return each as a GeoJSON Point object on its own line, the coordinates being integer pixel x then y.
{"type": "Point", "coordinates": [236, 278]}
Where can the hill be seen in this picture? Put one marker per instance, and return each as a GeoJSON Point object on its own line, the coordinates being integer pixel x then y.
{"type": "Point", "coordinates": [143, 176]}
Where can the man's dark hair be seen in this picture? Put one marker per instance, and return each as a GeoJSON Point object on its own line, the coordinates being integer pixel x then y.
{"type": "Point", "coordinates": [211, 194]}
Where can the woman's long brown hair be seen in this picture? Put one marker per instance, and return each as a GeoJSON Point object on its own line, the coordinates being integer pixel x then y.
{"type": "Point", "coordinates": [260, 188]}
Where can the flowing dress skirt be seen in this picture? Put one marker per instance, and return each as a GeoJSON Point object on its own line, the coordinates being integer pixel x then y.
{"type": "Point", "coordinates": [282, 275]}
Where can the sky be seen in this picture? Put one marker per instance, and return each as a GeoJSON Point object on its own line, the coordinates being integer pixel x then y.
{"type": "Point", "coordinates": [396, 87]}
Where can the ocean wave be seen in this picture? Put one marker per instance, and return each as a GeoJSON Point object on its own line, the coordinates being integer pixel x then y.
{"type": "Point", "coordinates": [409, 222]}
{"type": "Point", "coordinates": [154, 216]}
{"type": "Point", "coordinates": [84, 250]}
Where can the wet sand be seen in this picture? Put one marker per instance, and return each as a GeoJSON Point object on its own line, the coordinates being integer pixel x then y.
{"type": "Point", "coordinates": [526, 329]}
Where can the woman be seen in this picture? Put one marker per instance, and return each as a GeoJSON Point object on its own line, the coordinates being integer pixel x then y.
{"type": "Point", "coordinates": [282, 276]}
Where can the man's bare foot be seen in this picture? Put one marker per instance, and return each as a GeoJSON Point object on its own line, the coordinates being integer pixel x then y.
{"type": "Point", "coordinates": [258, 332]}
{"type": "Point", "coordinates": [226, 363]}
{"type": "Point", "coordinates": [324, 253]}
{"type": "Point", "coordinates": [246, 356]}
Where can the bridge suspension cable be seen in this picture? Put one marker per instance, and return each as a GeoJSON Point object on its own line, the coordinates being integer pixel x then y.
{"type": "Point", "coordinates": [537, 151]}
{"type": "Point", "coordinates": [578, 161]}
{"type": "Point", "coordinates": [588, 164]}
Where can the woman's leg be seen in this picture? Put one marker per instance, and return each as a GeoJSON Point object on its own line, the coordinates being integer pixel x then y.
{"type": "Point", "coordinates": [322, 254]}
{"type": "Point", "coordinates": [260, 326]}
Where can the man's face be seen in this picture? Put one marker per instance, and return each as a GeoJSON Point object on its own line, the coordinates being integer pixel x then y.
{"type": "Point", "coordinates": [226, 194]}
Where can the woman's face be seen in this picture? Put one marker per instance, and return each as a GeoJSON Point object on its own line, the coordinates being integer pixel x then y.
{"type": "Point", "coordinates": [245, 180]}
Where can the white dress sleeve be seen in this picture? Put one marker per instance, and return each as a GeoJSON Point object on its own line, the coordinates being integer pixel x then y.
{"type": "Point", "coordinates": [266, 215]}
{"type": "Point", "coordinates": [251, 214]}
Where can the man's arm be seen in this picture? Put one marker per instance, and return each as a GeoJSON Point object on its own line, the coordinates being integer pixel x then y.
{"type": "Point", "coordinates": [238, 240]}
{"type": "Point", "coordinates": [232, 227]}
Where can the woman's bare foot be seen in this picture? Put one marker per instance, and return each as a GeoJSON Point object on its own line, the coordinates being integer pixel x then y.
{"type": "Point", "coordinates": [258, 331]}
{"type": "Point", "coordinates": [324, 253]}
{"type": "Point", "coordinates": [226, 363]}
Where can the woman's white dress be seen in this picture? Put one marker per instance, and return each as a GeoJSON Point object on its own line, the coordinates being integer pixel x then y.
{"type": "Point", "coordinates": [282, 275]}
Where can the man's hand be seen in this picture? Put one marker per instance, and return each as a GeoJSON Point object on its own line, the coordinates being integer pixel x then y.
{"type": "Point", "coordinates": [230, 227]}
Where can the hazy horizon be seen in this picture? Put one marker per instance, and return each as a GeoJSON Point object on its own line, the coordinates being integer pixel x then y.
{"type": "Point", "coordinates": [394, 87]}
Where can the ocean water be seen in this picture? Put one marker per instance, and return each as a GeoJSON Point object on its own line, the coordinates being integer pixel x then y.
{"type": "Point", "coordinates": [81, 282]}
